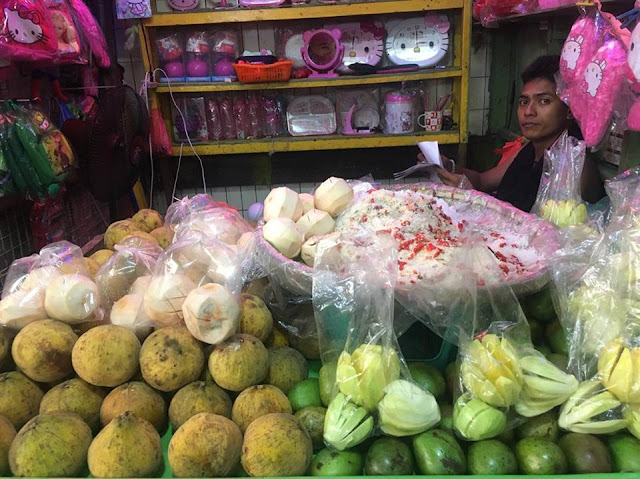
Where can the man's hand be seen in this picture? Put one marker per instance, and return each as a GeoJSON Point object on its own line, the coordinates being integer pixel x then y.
{"type": "Point", "coordinates": [449, 179]}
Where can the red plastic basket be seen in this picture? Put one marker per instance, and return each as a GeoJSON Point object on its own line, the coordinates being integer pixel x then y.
{"type": "Point", "coordinates": [278, 71]}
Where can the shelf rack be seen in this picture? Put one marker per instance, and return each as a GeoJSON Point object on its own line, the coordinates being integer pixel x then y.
{"type": "Point", "coordinates": [458, 73]}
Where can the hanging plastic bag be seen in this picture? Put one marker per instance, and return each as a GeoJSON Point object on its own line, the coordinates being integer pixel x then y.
{"type": "Point", "coordinates": [353, 304]}
{"type": "Point", "coordinates": [559, 200]}
{"type": "Point", "coordinates": [92, 32]}
{"type": "Point", "coordinates": [26, 32]}
{"type": "Point", "coordinates": [68, 38]}
{"type": "Point", "coordinates": [196, 281]}
{"type": "Point", "coordinates": [503, 379]}
{"type": "Point", "coordinates": [53, 284]}
{"type": "Point", "coordinates": [160, 141]}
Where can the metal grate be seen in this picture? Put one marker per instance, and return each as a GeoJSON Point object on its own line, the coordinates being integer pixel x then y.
{"type": "Point", "coordinates": [15, 238]}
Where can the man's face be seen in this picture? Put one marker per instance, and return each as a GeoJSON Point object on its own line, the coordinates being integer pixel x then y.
{"type": "Point", "coordinates": [542, 115]}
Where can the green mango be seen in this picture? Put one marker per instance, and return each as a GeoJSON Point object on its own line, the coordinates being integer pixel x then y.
{"type": "Point", "coordinates": [491, 457]}
{"type": "Point", "coordinates": [428, 378]}
{"type": "Point", "coordinates": [586, 454]}
{"type": "Point", "coordinates": [389, 456]}
{"type": "Point", "coordinates": [329, 462]}
{"type": "Point", "coordinates": [544, 426]}
{"type": "Point", "coordinates": [625, 453]}
{"type": "Point", "coordinates": [540, 456]}
{"type": "Point", "coordinates": [438, 453]}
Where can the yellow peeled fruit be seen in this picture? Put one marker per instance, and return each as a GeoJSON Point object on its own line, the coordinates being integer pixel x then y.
{"type": "Point", "coordinates": [619, 369]}
{"type": "Point", "coordinates": [127, 447]}
{"type": "Point", "coordinates": [276, 445]}
{"type": "Point", "coordinates": [163, 235]}
{"type": "Point", "coordinates": [117, 231]}
{"type": "Point", "coordinates": [101, 256]}
{"type": "Point", "coordinates": [148, 220]}
{"type": "Point", "coordinates": [42, 350]}
{"type": "Point", "coordinates": [207, 445]}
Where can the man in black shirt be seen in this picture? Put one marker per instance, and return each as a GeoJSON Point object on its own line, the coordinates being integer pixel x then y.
{"type": "Point", "coordinates": [543, 117]}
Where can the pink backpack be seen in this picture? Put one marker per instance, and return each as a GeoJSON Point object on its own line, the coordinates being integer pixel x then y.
{"type": "Point", "coordinates": [26, 32]}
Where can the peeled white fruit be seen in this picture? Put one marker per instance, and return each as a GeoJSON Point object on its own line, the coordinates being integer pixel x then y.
{"type": "Point", "coordinates": [308, 202]}
{"type": "Point", "coordinates": [126, 312]}
{"type": "Point", "coordinates": [211, 313]}
{"type": "Point", "coordinates": [284, 236]}
{"type": "Point", "coordinates": [163, 299]}
{"type": "Point", "coordinates": [315, 223]}
{"type": "Point", "coordinates": [22, 307]}
{"type": "Point", "coordinates": [310, 247]}
{"type": "Point", "coordinates": [71, 298]}
{"type": "Point", "coordinates": [39, 278]}
{"type": "Point", "coordinates": [140, 285]}
{"type": "Point", "coordinates": [282, 202]}
{"type": "Point", "coordinates": [333, 196]}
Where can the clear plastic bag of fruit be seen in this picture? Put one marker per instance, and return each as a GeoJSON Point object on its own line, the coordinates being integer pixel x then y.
{"type": "Point", "coordinates": [53, 284]}
{"type": "Point", "coordinates": [197, 282]}
{"type": "Point", "coordinates": [559, 200]}
{"type": "Point", "coordinates": [181, 208]}
{"type": "Point", "coordinates": [598, 293]}
{"type": "Point", "coordinates": [123, 278]}
{"type": "Point", "coordinates": [504, 380]}
{"type": "Point", "coordinates": [221, 223]}
{"type": "Point", "coordinates": [353, 299]}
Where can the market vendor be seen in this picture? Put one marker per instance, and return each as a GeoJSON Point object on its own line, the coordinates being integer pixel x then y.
{"type": "Point", "coordinates": [543, 117]}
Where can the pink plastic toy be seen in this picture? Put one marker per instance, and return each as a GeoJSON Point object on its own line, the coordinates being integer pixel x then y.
{"type": "Point", "coordinates": [322, 52]}
{"type": "Point", "coordinates": [592, 100]}
{"type": "Point", "coordinates": [198, 56]}
{"type": "Point", "coordinates": [92, 32]}
{"type": "Point", "coordinates": [170, 55]}
{"type": "Point", "coordinates": [241, 114]}
{"type": "Point", "coordinates": [26, 32]}
{"type": "Point", "coordinates": [228, 122]}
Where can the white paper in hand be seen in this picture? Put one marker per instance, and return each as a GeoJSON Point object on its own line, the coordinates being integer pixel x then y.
{"type": "Point", "coordinates": [431, 153]}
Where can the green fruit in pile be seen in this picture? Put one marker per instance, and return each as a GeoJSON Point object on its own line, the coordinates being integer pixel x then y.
{"type": "Point", "coordinates": [197, 397]}
{"type": "Point", "coordinates": [276, 445]}
{"type": "Point", "coordinates": [207, 445]}
{"type": "Point", "coordinates": [77, 396]}
{"type": "Point", "coordinates": [625, 453]}
{"type": "Point", "coordinates": [452, 377]}
{"type": "Point", "coordinates": [585, 453]}
{"type": "Point", "coordinates": [492, 458]}
{"type": "Point", "coordinates": [127, 447]}
{"type": "Point", "coordinates": [330, 462]}
{"type": "Point", "coordinates": [544, 426]}
{"type": "Point", "coordinates": [312, 418]}
{"type": "Point", "coordinates": [287, 367]}
{"type": "Point", "coordinates": [446, 417]}
{"type": "Point", "coordinates": [42, 350]}
{"type": "Point", "coordinates": [539, 306]}
{"type": "Point", "coordinates": [138, 398]}
{"type": "Point", "coordinates": [438, 453]}
{"type": "Point", "coordinates": [428, 378]}
{"type": "Point", "coordinates": [107, 355]}
{"type": "Point", "coordinates": [556, 338]}
{"type": "Point", "coordinates": [305, 394]}
{"type": "Point", "coordinates": [389, 456]}
{"type": "Point", "coordinates": [7, 435]}
{"type": "Point", "coordinates": [540, 456]}
{"type": "Point", "coordinates": [257, 401]}
{"type": "Point", "coordinates": [171, 358]}
{"type": "Point", "coordinates": [51, 445]}
{"type": "Point", "coordinates": [239, 362]}
{"type": "Point", "coordinates": [19, 398]}
{"type": "Point", "coordinates": [327, 381]}
{"type": "Point", "coordinates": [537, 332]}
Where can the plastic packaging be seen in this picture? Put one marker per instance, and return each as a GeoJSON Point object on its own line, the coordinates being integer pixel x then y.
{"type": "Point", "coordinates": [311, 115]}
{"type": "Point", "coordinates": [26, 31]}
{"type": "Point", "coordinates": [170, 56]}
{"type": "Point", "coordinates": [559, 200]}
{"type": "Point", "coordinates": [53, 284]}
{"type": "Point", "coordinates": [353, 301]}
{"type": "Point", "coordinates": [225, 48]}
{"type": "Point", "coordinates": [92, 32]}
{"type": "Point", "coordinates": [198, 62]}
{"type": "Point", "coordinates": [160, 141]}
{"type": "Point", "coordinates": [192, 122]}
{"type": "Point", "coordinates": [488, 11]}
{"type": "Point", "coordinates": [241, 116]}
{"type": "Point", "coordinates": [181, 209]}
{"type": "Point", "coordinates": [67, 35]}
{"type": "Point", "coordinates": [228, 120]}
{"type": "Point", "coordinates": [190, 264]}
{"type": "Point", "coordinates": [223, 224]}
{"type": "Point", "coordinates": [214, 119]}
{"type": "Point", "coordinates": [256, 117]}
{"type": "Point", "coordinates": [272, 117]}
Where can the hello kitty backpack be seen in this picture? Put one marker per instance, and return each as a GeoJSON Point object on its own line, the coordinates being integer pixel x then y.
{"type": "Point", "coordinates": [26, 32]}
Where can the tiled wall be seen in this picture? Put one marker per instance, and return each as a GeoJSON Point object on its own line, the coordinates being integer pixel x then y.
{"type": "Point", "coordinates": [479, 71]}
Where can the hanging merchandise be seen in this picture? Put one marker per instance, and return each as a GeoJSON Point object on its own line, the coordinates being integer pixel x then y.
{"type": "Point", "coordinates": [127, 9]}
{"type": "Point", "coordinates": [593, 68]}
{"type": "Point", "coordinates": [559, 200]}
{"type": "Point", "coordinates": [92, 33]}
{"type": "Point", "coordinates": [160, 141]}
{"type": "Point", "coordinates": [65, 30]}
{"type": "Point", "coordinates": [633, 59]}
{"type": "Point", "coordinates": [488, 11]}
{"type": "Point", "coordinates": [26, 31]}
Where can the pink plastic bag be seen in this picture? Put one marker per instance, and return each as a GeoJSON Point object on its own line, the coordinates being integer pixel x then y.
{"type": "Point", "coordinates": [26, 32]}
{"type": "Point", "coordinates": [160, 140]}
{"type": "Point", "coordinates": [578, 49]}
{"type": "Point", "coordinates": [92, 32]}
{"type": "Point", "coordinates": [67, 36]}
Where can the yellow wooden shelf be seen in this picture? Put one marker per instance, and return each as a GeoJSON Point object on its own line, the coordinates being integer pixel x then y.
{"type": "Point", "coordinates": [298, 12]}
{"type": "Point", "coordinates": [309, 82]}
{"type": "Point", "coordinates": [308, 143]}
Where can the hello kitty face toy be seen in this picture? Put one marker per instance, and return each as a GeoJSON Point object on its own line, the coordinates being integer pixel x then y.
{"type": "Point", "coordinates": [322, 52]}
{"type": "Point", "coordinates": [26, 32]}
{"type": "Point", "coordinates": [183, 5]}
{"type": "Point", "coordinates": [420, 40]}
{"type": "Point", "coordinates": [571, 51]}
{"type": "Point", "coordinates": [593, 76]}
{"type": "Point", "coordinates": [578, 49]}
{"type": "Point", "coordinates": [363, 43]}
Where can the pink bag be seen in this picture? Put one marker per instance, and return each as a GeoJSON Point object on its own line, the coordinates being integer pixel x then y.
{"type": "Point", "coordinates": [92, 32]}
{"type": "Point", "coordinates": [26, 33]}
{"type": "Point", "coordinates": [160, 141]}
{"type": "Point", "coordinates": [578, 49]}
